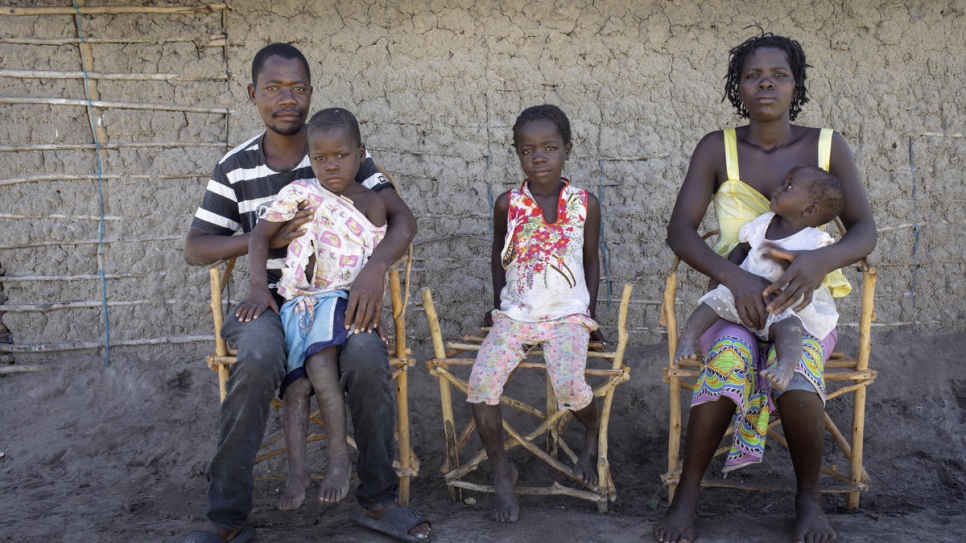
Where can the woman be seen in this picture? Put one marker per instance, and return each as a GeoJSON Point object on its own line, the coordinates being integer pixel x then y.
{"type": "Point", "coordinates": [766, 84]}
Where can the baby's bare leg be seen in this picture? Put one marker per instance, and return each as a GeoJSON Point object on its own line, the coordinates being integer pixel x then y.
{"type": "Point", "coordinates": [323, 370]}
{"type": "Point", "coordinates": [699, 321]}
{"type": "Point", "coordinates": [295, 419]}
{"type": "Point", "coordinates": [787, 336]}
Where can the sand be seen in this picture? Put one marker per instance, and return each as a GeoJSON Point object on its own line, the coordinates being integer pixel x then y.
{"type": "Point", "coordinates": [119, 453]}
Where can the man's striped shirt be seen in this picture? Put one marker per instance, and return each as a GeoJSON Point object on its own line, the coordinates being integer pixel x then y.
{"type": "Point", "coordinates": [243, 185]}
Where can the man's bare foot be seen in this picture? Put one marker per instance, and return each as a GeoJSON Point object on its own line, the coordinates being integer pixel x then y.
{"type": "Point", "coordinates": [420, 530]}
{"type": "Point", "coordinates": [506, 508]}
{"type": "Point", "coordinates": [335, 486]}
{"type": "Point", "coordinates": [812, 526]}
{"type": "Point", "coordinates": [294, 494]}
{"type": "Point", "coordinates": [677, 526]}
{"type": "Point", "coordinates": [779, 376]}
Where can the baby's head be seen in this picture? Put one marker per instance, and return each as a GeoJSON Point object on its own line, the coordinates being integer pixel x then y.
{"type": "Point", "coordinates": [811, 193]}
{"type": "Point", "coordinates": [335, 148]}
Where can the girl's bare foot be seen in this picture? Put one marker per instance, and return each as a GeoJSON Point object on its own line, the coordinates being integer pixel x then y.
{"type": "Point", "coordinates": [294, 494]}
{"type": "Point", "coordinates": [335, 486]}
{"type": "Point", "coordinates": [504, 478]}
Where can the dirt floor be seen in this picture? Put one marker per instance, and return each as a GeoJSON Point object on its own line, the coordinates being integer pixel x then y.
{"type": "Point", "coordinates": [119, 453]}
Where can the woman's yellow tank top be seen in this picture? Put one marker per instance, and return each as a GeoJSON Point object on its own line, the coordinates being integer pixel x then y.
{"type": "Point", "coordinates": [736, 203]}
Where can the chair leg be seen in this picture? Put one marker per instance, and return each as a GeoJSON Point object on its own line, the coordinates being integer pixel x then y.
{"type": "Point", "coordinates": [405, 458]}
{"type": "Point", "coordinates": [674, 435]}
{"type": "Point", "coordinates": [858, 437]}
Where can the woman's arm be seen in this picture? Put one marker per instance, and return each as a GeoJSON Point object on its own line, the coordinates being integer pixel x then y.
{"type": "Point", "coordinates": [682, 233]}
{"type": "Point", "coordinates": [808, 269]}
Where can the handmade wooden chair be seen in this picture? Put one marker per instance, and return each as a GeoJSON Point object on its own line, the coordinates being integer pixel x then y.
{"type": "Point", "coordinates": [400, 360]}
{"type": "Point", "coordinates": [852, 375]}
{"type": "Point", "coordinates": [447, 360]}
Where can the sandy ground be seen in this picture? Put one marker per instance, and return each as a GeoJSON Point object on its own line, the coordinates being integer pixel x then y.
{"type": "Point", "coordinates": [119, 453]}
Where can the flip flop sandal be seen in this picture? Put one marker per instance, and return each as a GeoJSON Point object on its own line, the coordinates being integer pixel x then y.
{"type": "Point", "coordinates": [201, 536]}
{"type": "Point", "coordinates": [396, 523]}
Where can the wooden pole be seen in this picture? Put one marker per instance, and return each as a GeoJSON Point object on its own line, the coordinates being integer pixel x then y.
{"type": "Point", "coordinates": [115, 105]}
{"type": "Point", "coordinates": [50, 74]}
{"type": "Point", "coordinates": [858, 402]}
{"type": "Point", "coordinates": [115, 10]}
{"type": "Point", "coordinates": [402, 384]}
{"type": "Point", "coordinates": [445, 393]}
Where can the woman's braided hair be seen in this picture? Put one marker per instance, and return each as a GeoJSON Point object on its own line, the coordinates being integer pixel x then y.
{"type": "Point", "coordinates": [736, 63]}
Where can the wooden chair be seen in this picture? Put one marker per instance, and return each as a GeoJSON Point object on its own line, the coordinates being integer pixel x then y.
{"type": "Point", "coordinates": [852, 375]}
{"type": "Point", "coordinates": [400, 360]}
{"type": "Point", "coordinates": [447, 360]}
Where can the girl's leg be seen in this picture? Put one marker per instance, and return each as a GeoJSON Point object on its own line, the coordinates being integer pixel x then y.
{"type": "Point", "coordinates": [323, 371]}
{"type": "Point", "coordinates": [565, 351]}
{"type": "Point", "coordinates": [489, 425]}
{"type": "Point", "coordinates": [501, 351]}
{"type": "Point", "coordinates": [295, 416]}
{"type": "Point", "coordinates": [786, 334]}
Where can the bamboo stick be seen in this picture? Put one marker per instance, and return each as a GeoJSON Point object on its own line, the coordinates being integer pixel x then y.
{"type": "Point", "coordinates": [842, 443]}
{"type": "Point", "coordinates": [87, 242]}
{"type": "Point", "coordinates": [445, 393]}
{"type": "Point", "coordinates": [447, 362]}
{"type": "Point", "coordinates": [55, 306]}
{"type": "Point", "coordinates": [84, 345]}
{"type": "Point", "coordinates": [10, 370]}
{"type": "Point", "coordinates": [115, 10]}
{"type": "Point", "coordinates": [82, 277]}
{"type": "Point", "coordinates": [57, 216]}
{"type": "Point", "coordinates": [847, 389]}
{"type": "Point", "coordinates": [109, 146]}
{"type": "Point", "coordinates": [402, 384]}
{"type": "Point", "coordinates": [213, 41]}
{"type": "Point", "coordinates": [556, 489]}
{"type": "Point", "coordinates": [463, 387]}
{"type": "Point", "coordinates": [48, 74]}
{"type": "Point", "coordinates": [110, 105]}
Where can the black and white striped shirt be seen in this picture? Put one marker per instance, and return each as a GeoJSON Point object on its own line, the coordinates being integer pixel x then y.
{"type": "Point", "coordinates": [243, 184]}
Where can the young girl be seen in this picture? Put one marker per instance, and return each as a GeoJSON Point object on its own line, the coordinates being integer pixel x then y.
{"type": "Point", "coordinates": [809, 198]}
{"type": "Point", "coordinates": [320, 266]}
{"type": "Point", "coordinates": [545, 276]}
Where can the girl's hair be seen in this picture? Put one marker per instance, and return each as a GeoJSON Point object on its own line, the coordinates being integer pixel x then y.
{"type": "Point", "coordinates": [736, 63]}
{"type": "Point", "coordinates": [335, 117]}
{"type": "Point", "coordinates": [283, 50]}
{"type": "Point", "coordinates": [544, 112]}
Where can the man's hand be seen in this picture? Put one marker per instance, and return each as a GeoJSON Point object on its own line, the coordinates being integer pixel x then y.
{"type": "Point", "coordinates": [292, 230]}
{"type": "Point", "coordinates": [364, 309]}
{"type": "Point", "coordinates": [257, 302]}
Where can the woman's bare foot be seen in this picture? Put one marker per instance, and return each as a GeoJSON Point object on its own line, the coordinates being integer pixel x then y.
{"type": "Point", "coordinates": [506, 508]}
{"type": "Point", "coordinates": [780, 375]}
{"type": "Point", "coordinates": [335, 486]}
{"type": "Point", "coordinates": [677, 526]}
{"type": "Point", "coordinates": [811, 525]}
{"type": "Point", "coordinates": [294, 494]}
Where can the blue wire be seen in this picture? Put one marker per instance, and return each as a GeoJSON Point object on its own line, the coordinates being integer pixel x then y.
{"type": "Point", "coordinates": [603, 241]}
{"type": "Point", "coordinates": [100, 190]}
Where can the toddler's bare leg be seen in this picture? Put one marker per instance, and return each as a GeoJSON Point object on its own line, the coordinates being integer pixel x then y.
{"type": "Point", "coordinates": [787, 336]}
{"type": "Point", "coordinates": [586, 467]}
{"type": "Point", "coordinates": [295, 416]}
{"type": "Point", "coordinates": [323, 370]}
{"type": "Point", "coordinates": [489, 425]}
{"type": "Point", "coordinates": [699, 321]}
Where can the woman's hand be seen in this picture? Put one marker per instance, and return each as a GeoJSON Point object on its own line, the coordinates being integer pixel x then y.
{"type": "Point", "coordinates": [804, 272]}
{"type": "Point", "coordinates": [747, 289]}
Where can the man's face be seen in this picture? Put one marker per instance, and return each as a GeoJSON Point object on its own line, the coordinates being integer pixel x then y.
{"type": "Point", "coordinates": [282, 94]}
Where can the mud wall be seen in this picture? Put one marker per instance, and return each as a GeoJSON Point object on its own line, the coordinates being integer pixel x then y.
{"type": "Point", "coordinates": [437, 85]}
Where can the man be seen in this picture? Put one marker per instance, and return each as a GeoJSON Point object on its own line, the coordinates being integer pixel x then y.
{"type": "Point", "coordinates": [248, 177]}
